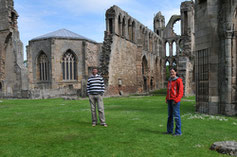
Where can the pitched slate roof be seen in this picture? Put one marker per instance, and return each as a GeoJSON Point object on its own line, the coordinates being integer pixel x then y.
{"type": "Point", "coordinates": [63, 34]}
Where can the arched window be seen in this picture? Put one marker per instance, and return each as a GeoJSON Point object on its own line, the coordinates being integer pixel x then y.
{"type": "Point", "coordinates": [144, 39]}
{"type": "Point", "coordinates": [174, 48]}
{"type": "Point", "coordinates": [174, 64]}
{"type": "Point", "coordinates": [167, 68]}
{"type": "Point", "coordinates": [119, 26]}
{"type": "Point", "coordinates": [123, 27]}
{"type": "Point", "coordinates": [43, 67]}
{"type": "Point", "coordinates": [129, 30]}
{"type": "Point", "coordinates": [144, 65]}
{"type": "Point", "coordinates": [111, 26]}
{"type": "Point", "coordinates": [167, 49]}
{"type": "Point", "coordinates": [133, 31]}
{"type": "Point", "coordinates": [69, 66]}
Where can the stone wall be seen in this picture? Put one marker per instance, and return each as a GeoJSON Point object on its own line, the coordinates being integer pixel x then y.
{"type": "Point", "coordinates": [215, 49]}
{"type": "Point", "coordinates": [130, 56]}
{"type": "Point", "coordinates": [13, 73]}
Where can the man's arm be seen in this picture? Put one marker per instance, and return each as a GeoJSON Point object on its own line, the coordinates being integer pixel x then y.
{"type": "Point", "coordinates": [88, 86]}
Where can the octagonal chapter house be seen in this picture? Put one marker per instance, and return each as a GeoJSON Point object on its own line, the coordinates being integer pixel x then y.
{"type": "Point", "coordinates": [59, 64]}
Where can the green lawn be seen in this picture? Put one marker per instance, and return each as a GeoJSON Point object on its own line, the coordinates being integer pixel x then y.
{"type": "Point", "coordinates": [57, 127]}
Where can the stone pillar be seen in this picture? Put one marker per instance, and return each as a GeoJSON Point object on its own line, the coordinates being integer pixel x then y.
{"type": "Point", "coordinates": [234, 67]}
{"type": "Point", "coordinates": [228, 75]}
{"type": "Point", "coordinates": [170, 49]}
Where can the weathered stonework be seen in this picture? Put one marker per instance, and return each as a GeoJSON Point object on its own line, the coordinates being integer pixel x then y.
{"type": "Point", "coordinates": [13, 73]}
{"type": "Point", "coordinates": [215, 48]}
{"type": "Point", "coordinates": [130, 55]}
{"type": "Point", "coordinates": [132, 58]}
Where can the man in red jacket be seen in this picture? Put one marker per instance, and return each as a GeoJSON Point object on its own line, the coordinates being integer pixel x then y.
{"type": "Point", "coordinates": [173, 98]}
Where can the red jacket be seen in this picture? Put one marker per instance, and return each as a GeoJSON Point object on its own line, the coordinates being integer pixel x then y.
{"type": "Point", "coordinates": [175, 89]}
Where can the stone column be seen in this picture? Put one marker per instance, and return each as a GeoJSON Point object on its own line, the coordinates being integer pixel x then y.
{"type": "Point", "coordinates": [170, 49]}
{"type": "Point", "coordinates": [228, 71]}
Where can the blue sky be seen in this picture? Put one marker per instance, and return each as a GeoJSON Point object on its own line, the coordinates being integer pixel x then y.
{"type": "Point", "coordinates": [85, 17]}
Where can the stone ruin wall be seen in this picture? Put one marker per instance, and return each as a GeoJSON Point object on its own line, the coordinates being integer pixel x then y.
{"type": "Point", "coordinates": [129, 54]}
{"type": "Point", "coordinates": [215, 48]}
{"type": "Point", "coordinates": [183, 57]}
{"type": "Point", "coordinates": [13, 73]}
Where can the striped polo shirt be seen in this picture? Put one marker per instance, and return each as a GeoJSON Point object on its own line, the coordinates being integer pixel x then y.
{"type": "Point", "coordinates": [95, 85]}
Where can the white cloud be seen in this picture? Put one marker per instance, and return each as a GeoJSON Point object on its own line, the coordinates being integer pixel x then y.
{"type": "Point", "coordinates": [89, 6]}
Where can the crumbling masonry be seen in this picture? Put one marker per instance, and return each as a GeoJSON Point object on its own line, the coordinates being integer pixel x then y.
{"type": "Point", "coordinates": [132, 58]}
{"type": "Point", "coordinates": [13, 73]}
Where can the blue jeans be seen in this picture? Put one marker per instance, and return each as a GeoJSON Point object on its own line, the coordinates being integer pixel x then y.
{"type": "Point", "coordinates": [173, 112]}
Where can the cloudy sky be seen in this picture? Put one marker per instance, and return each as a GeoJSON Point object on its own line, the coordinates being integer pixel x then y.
{"type": "Point", "coordinates": [85, 17]}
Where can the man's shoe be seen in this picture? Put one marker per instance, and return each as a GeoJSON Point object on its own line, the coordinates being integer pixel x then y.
{"type": "Point", "coordinates": [93, 125]}
{"type": "Point", "coordinates": [167, 133]}
{"type": "Point", "coordinates": [177, 134]}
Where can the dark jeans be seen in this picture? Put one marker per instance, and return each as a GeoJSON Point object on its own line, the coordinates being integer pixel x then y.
{"type": "Point", "coordinates": [173, 112]}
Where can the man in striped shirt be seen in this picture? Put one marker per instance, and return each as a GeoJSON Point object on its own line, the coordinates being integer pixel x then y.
{"type": "Point", "coordinates": [95, 90]}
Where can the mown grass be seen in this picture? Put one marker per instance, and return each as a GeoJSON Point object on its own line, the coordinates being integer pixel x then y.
{"type": "Point", "coordinates": [57, 127]}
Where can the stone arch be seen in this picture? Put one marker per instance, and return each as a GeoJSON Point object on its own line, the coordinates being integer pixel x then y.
{"type": "Point", "coordinates": [173, 20]}
{"type": "Point", "coordinates": [42, 69]}
{"type": "Point", "coordinates": [69, 65]}
{"type": "Point", "coordinates": [177, 27]}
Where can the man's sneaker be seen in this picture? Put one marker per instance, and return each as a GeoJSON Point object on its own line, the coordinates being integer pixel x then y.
{"type": "Point", "coordinates": [93, 125]}
{"type": "Point", "coordinates": [167, 133]}
{"type": "Point", "coordinates": [177, 134]}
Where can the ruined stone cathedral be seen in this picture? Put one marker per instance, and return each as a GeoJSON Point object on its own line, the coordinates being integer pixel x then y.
{"type": "Point", "coordinates": [132, 58]}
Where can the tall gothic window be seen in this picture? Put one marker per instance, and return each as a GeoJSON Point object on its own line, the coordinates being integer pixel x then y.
{"type": "Point", "coordinates": [43, 67]}
{"type": "Point", "coordinates": [69, 66]}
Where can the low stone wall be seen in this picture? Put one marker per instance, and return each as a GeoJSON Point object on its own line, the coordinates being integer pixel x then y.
{"type": "Point", "coordinates": [54, 93]}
